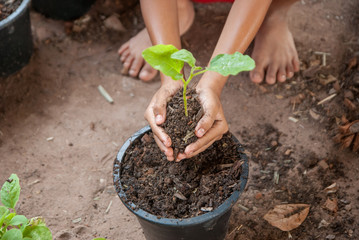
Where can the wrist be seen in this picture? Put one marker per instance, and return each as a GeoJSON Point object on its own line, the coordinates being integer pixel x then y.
{"type": "Point", "coordinates": [212, 81]}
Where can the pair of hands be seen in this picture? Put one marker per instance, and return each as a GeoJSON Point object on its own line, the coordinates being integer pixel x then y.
{"type": "Point", "coordinates": [209, 129]}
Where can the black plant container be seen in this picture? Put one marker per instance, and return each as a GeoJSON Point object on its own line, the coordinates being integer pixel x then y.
{"type": "Point", "coordinates": [62, 9]}
{"type": "Point", "coordinates": [209, 226]}
{"type": "Point", "coordinates": [15, 40]}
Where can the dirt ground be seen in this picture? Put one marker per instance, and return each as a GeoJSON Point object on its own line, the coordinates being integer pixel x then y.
{"type": "Point", "coordinates": [61, 136]}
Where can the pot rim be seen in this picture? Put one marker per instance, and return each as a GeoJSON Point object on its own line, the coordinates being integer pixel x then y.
{"type": "Point", "coordinates": [223, 208]}
{"type": "Point", "coordinates": [12, 17]}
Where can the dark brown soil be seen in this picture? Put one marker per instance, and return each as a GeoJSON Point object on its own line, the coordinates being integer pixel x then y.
{"type": "Point", "coordinates": [8, 7]}
{"type": "Point", "coordinates": [178, 126]}
{"type": "Point", "coordinates": [158, 186]}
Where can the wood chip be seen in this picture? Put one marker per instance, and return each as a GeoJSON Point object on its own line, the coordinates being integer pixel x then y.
{"type": "Point", "coordinates": [206, 209]}
{"type": "Point", "coordinates": [313, 114]}
{"type": "Point", "coordinates": [293, 119]}
{"type": "Point", "coordinates": [323, 164]}
{"type": "Point", "coordinates": [179, 195]}
{"type": "Point", "coordinates": [331, 205]}
{"type": "Point", "coordinates": [331, 189]}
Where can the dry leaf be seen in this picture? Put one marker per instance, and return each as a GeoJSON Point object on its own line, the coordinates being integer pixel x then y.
{"type": "Point", "coordinates": [347, 141]}
{"type": "Point", "coordinates": [331, 205]}
{"type": "Point", "coordinates": [352, 63]}
{"type": "Point", "coordinates": [287, 217]}
{"type": "Point", "coordinates": [356, 144]}
{"type": "Point", "coordinates": [349, 104]}
{"type": "Point", "coordinates": [331, 189]}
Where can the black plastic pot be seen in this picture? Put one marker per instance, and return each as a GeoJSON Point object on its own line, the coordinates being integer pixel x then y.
{"type": "Point", "coordinates": [210, 226]}
{"type": "Point", "coordinates": [15, 40]}
{"type": "Point", "coordinates": [62, 9]}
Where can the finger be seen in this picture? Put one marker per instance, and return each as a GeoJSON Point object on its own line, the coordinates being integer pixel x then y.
{"type": "Point", "coordinates": [182, 156]}
{"type": "Point", "coordinates": [123, 48]}
{"type": "Point", "coordinates": [167, 151]}
{"type": "Point", "coordinates": [215, 133]}
{"type": "Point", "coordinates": [159, 110]}
{"type": "Point", "coordinates": [205, 123]}
{"type": "Point", "coordinates": [157, 131]}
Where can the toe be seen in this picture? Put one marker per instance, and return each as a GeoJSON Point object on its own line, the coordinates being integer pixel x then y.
{"type": "Point", "coordinates": [295, 63]}
{"type": "Point", "coordinates": [123, 48]}
{"type": "Point", "coordinates": [257, 74]}
{"type": "Point", "coordinates": [281, 75]}
{"type": "Point", "coordinates": [147, 73]}
{"type": "Point", "coordinates": [124, 55]}
{"type": "Point", "coordinates": [128, 62]}
{"type": "Point", "coordinates": [290, 70]}
{"type": "Point", "coordinates": [136, 66]}
{"type": "Point", "coordinates": [271, 74]}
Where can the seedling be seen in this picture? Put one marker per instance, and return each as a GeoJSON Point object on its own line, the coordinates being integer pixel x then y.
{"type": "Point", "coordinates": [170, 61]}
{"type": "Point", "coordinates": [13, 226]}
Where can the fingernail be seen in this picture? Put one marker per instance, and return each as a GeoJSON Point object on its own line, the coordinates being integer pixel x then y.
{"type": "Point", "coordinates": [159, 119]}
{"type": "Point", "coordinates": [200, 132]}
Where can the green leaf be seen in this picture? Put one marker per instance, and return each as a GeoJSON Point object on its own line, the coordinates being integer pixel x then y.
{"type": "Point", "coordinates": [37, 233]}
{"type": "Point", "coordinates": [9, 217]}
{"type": "Point", "coordinates": [10, 191]}
{"type": "Point", "coordinates": [18, 220]}
{"type": "Point", "coordinates": [159, 57]}
{"type": "Point", "coordinates": [12, 234]}
{"type": "Point", "coordinates": [185, 56]}
{"type": "Point", "coordinates": [226, 64]}
{"type": "Point", "coordinates": [99, 239]}
{"type": "Point", "coordinates": [3, 211]}
{"type": "Point", "coordinates": [37, 221]}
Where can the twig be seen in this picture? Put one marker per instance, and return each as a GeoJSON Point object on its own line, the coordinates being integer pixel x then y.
{"type": "Point", "coordinates": [235, 229]}
{"type": "Point", "coordinates": [108, 208]}
{"type": "Point", "coordinates": [243, 207]}
{"type": "Point", "coordinates": [105, 94]}
{"type": "Point", "coordinates": [327, 99]}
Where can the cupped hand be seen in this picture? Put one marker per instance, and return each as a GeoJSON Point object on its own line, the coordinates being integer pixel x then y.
{"type": "Point", "coordinates": [155, 114]}
{"type": "Point", "coordinates": [212, 125]}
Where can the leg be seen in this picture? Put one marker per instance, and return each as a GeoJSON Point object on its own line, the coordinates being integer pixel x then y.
{"type": "Point", "coordinates": [274, 50]}
{"type": "Point", "coordinates": [131, 51]}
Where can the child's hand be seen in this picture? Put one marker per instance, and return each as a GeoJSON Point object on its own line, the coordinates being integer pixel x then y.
{"type": "Point", "coordinates": [155, 114]}
{"type": "Point", "coordinates": [212, 125]}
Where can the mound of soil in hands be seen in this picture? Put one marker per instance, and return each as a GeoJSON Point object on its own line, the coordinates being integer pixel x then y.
{"type": "Point", "coordinates": [178, 126]}
{"type": "Point", "coordinates": [7, 7]}
{"type": "Point", "coordinates": [188, 188]}
{"type": "Point", "coordinates": [179, 190]}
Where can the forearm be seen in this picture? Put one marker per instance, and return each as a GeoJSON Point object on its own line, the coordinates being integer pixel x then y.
{"type": "Point", "coordinates": [242, 24]}
{"type": "Point", "coordinates": [162, 23]}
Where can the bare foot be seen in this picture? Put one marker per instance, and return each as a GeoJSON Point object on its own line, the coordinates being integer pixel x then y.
{"type": "Point", "coordinates": [274, 51]}
{"type": "Point", "coordinates": [131, 51]}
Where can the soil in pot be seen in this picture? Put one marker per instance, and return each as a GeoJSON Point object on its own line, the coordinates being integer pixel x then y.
{"type": "Point", "coordinates": [7, 7]}
{"type": "Point", "coordinates": [185, 189]}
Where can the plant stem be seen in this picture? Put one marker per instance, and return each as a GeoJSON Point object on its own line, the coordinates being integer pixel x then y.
{"type": "Point", "coordinates": [185, 83]}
